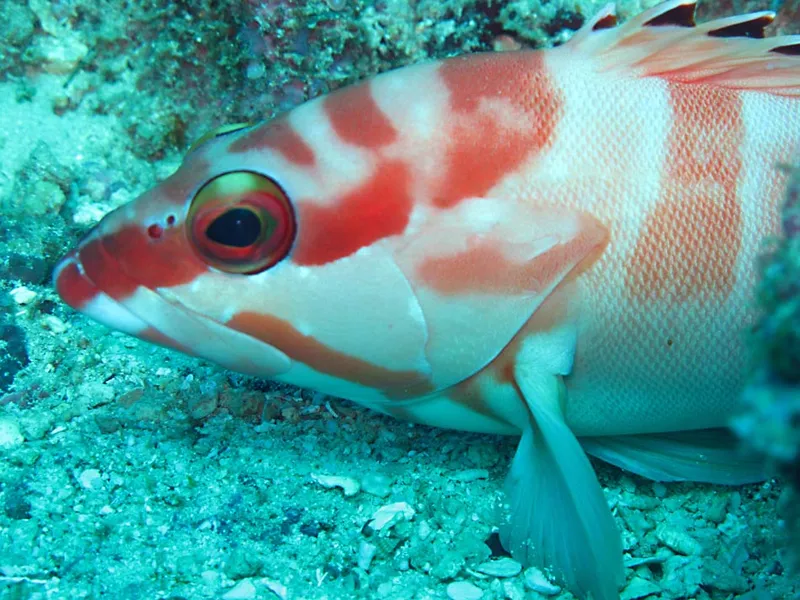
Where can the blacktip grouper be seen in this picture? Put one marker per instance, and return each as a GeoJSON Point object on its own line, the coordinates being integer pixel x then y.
{"type": "Point", "coordinates": [556, 244]}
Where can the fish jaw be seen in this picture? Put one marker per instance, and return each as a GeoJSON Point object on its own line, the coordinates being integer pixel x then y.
{"type": "Point", "coordinates": [93, 281]}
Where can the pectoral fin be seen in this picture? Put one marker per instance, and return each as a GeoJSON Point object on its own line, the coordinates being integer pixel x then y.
{"type": "Point", "coordinates": [708, 455]}
{"type": "Point", "coordinates": [481, 270]}
{"type": "Point", "coordinates": [559, 516]}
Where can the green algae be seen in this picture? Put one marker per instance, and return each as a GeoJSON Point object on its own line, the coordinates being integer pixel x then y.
{"type": "Point", "coordinates": [770, 420]}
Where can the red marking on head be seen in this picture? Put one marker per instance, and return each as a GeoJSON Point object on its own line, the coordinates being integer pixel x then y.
{"type": "Point", "coordinates": [278, 135]}
{"type": "Point", "coordinates": [357, 119]}
{"type": "Point", "coordinates": [378, 209]}
{"type": "Point", "coordinates": [324, 359]}
{"type": "Point", "coordinates": [484, 149]}
{"type": "Point", "coordinates": [691, 240]}
{"type": "Point", "coordinates": [73, 287]}
{"type": "Point", "coordinates": [119, 262]}
{"type": "Point", "coordinates": [484, 268]}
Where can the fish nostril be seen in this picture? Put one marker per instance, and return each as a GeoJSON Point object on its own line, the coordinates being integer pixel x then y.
{"type": "Point", "coordinates": [155, 231]}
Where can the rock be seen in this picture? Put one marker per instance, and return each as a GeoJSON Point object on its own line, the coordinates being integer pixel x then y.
{"type": "Point", "coordinates": [277, 588]}
{"type": "Point", "coordinates": [376, 484]}
{"type": "Point", "coordinates": [678, 541]}
{"type": "Point", "coordinates": [60, 55]}
{"type": "Point", "coordinates": [23, 295]}
{"type": "Point", "coordinates": [639, 588]}
{"type": "Point", "coordinates": [537, 581]}
{"type": "Point", "coordinates": [10, 435]}
{"type": "Point", "coordinates": [244, 590]}
{"type": "Point", "coordinates": [366, 552]}
{"type": "Point", "coordinates": [464, 590]}
{"type": "Point", "coordinates": [390, 514]}
{"type": "Point", "coordinates": [54, 324]}
{"type": "Point", "coordinates": [202, 406]}
{"type": "Point", "coordinates": [424, 530]}
{"type": "Point", "coordinates": [242, 563]}
{"type": "Point", "coordinates": [16, 504]}
{"type": "Point", "coordinates": [501, 567]}
{"type": "Point", "coordinates": [349, 486]}
{"type": "Point", "coordinates": [448, 566]}
{"type": "Point", "coordinates": [717, 508]}
{"type": "Point", "coordinates": [720, 576]}
{"type": "Point", "coordinates": [513, 590]}
{"type": "Point", "coordinates": [91, 479]}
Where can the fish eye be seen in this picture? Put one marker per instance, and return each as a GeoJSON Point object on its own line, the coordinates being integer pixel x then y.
{"type": "Point", "coordinates": [241, 222]}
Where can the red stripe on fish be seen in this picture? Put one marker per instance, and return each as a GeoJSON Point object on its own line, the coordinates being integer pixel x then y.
{"type": "Point", "coordinates": [73, 287]}
{"type": "Point", "coordinates": [107, 261]}
{"type": "Point", "coordinates": [324, 359]}
{"type": "Point", "coordinates": [485, 148]}
{"type": "Point", "coordinates": [378, 209]}
{"type": "Point", "coordinates": [484, 268]}
{"type": "Point", "coordinates": [691, 240]}
{"type": "Point", "coordinates": [357, 119]}
{"type": "Point", "coordinates": [278, 135]}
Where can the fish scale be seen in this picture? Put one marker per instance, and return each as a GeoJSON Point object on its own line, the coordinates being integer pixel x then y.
{"type": "Point", "coordinates": [556, 244]}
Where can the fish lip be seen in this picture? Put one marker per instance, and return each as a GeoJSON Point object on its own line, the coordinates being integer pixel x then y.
{"type": "Point", "coordinates": [78, 290]}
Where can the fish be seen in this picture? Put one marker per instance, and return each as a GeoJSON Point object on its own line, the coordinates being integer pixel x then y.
{"type": "Point", "coordinates": [557, 244]}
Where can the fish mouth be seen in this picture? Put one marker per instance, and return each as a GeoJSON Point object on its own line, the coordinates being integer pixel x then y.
{"type": "Point", "coordinates": [90, 280]}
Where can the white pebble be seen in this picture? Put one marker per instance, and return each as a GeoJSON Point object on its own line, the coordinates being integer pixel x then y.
{"type": "Point", "coordinates": [23, 295]}
{"type": "Point", "coordinates": [60, 55]}
{"type": "Point", "coordinates": [502, 567]}
{"type": "Point", "coordinates": [536, 581]}
{"type": "Point", "coordinates": [349, 485]}
{"type": "Point", "coordinates": [91, 479]}
{"type": "Point", "coordinates": [244, 590]}
{"type": "Point", "coordinates": [391, 514]}
{"type": "Point", "coordinates": [679, 541]}
{"type": "Point", "coordinates": [275, 587]}
{"type": "Point", "coordinates": [54, 324]}
{"type": "Point", "coordinates": [10, 435]}
{"type": "Point", "coordinates": [424, 531]}
{"type": "Point", "coordinates": [464, 590]}
{"type": "Point", "coordinates": [366, 552]}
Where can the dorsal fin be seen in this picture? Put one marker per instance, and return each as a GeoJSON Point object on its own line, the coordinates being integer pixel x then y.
{"type": "Point", "coordinates": [679, 15]}
{"type": "Point", "coordinates": [751, 26]}
{"type": "Point", "coordinates": [788, 50]}
{"type": "Point", "coordinates": [607, 22]}
{"type": "Point", "coordinates": [665, 42]}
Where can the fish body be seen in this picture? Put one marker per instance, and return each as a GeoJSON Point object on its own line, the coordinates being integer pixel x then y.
{"type": "Point", "coordinates": [556, 244]}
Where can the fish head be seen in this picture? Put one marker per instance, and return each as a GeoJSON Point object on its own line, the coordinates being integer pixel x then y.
{"type": "Point", "coordinates": [239, 258]}
{"type": "Point", "coordinates": [329, 249]}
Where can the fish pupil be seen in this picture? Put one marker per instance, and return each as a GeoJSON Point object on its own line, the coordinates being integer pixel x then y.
{"type": "Point", "coordinates": [238, 227]}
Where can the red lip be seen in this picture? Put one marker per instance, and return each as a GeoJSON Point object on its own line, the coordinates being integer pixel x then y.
{"type": "Point", "coordinates": [71, 283]}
